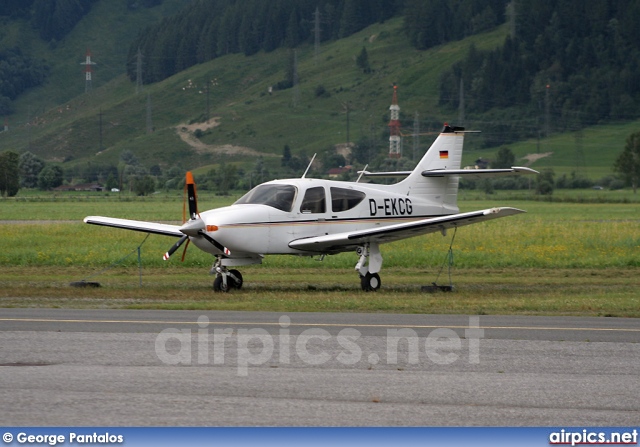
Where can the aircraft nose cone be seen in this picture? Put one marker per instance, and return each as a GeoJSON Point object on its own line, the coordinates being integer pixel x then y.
{"type": "Point", "coordinates": [192, 227]}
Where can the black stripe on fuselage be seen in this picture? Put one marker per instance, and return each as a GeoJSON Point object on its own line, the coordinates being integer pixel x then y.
{"type": "Point", "coordinates": [334, 220]}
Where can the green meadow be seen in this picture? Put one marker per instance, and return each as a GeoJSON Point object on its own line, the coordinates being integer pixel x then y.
{"type": "Point", "coordinates": [559, 258]}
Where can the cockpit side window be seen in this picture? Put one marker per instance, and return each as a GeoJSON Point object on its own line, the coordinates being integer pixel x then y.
{"type": "Point", "coordinates": [343, 199]}
{"type": "Point", "coordinates": [314, 201]}
{"type": "Point", "coordinates": [277, 196]}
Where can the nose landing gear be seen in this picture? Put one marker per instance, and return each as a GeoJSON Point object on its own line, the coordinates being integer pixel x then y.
{"type": "Point", "coordinates": [225, 279]}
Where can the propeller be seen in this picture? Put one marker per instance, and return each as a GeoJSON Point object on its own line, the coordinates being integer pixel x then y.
{"type": "Point", "coordinates": [193, 227]}
{"type": "Point", "coordinates": [175, 246]}
{"type": "Point", "coordinates": [190, 191]}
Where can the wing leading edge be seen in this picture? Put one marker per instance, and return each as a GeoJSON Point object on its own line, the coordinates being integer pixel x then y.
{"type": "Point", "coordinates": [335, 243]}
{"type": "Point", "coordinates": [136, 225]}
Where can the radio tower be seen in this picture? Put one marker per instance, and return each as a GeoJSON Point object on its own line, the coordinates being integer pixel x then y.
{"type": "Point", "coordinates": [395, 146]}
{"type": "Point", "coordinates": [87, 71]}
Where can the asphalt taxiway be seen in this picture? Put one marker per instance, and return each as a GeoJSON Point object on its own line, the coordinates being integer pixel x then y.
{"type": "Point", "coordinates": [202, 368]}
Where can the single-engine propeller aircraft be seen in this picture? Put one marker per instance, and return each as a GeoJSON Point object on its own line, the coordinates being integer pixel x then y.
{"type": "Point", "coordinates": [315, 217]}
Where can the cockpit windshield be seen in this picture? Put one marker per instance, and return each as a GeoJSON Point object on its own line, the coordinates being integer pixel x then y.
{"type": "Point", "coordinates": [277, 196]}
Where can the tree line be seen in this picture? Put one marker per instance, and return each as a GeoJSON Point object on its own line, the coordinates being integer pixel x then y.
{"type": "Point", "coordinates": [208, 29]}
{"type": "Point", "coordinates": [52, 19]}
{"type": "Point", "coordinates": [434, 22]}
{"type": "Point", "coordinates": [567, 64]}
{"type": "Point", "coordinates": [18, 73]}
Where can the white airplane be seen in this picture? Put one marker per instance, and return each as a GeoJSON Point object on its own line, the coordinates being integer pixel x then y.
{"type": "Point", "coordinates": [315, 217]}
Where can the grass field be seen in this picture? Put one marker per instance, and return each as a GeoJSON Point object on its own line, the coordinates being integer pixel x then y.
{"type": "Point", "coordinates": [585, 292]}
{"type": "Point", "coordinates": [558, 258]}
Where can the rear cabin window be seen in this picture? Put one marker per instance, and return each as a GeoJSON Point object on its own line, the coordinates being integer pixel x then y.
{"type": "Point", "coordinates": [277, 196]}
{"type": "Point", "coordinates": [314, 201]}
{"type": "Point", "coordinates": [344, 199]}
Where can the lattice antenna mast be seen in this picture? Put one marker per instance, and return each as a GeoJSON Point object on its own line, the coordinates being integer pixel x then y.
{"type": "Point", "coordinates": [395, 141]}
{"type": "Point", "coordinates": [88, 71]}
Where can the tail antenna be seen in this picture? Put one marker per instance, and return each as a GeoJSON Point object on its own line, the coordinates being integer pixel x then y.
{"type": "Point", "coordinates": [362, 172]}
{"type": "Point", "coordinates": [309, 167]}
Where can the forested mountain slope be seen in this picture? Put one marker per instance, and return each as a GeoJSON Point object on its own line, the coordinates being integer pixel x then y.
{"type": "Point", "coordinates": [307, 74]}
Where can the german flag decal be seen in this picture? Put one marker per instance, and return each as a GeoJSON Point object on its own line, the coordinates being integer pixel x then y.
{"type": "Point", "coordinates": [444, 154]}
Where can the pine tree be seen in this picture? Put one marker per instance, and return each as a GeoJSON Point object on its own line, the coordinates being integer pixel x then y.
{"type": "Point", "coordinates": [362, 61]}
{"type": "Point", "coordinates": [9, 177]}
{"type": "Point", "coordinates": [628, 162]}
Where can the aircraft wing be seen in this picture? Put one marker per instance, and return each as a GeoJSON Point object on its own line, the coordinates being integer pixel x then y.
{"type": "Point", "coordinates": [136, 225]}
{"type": "Point", "coordinates": [335, 243]}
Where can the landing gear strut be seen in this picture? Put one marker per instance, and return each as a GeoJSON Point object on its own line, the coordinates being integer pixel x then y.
{"type": "Point", "coordinates": [369, 278]}
{"type": "Point", "coordinates": [225, 279]}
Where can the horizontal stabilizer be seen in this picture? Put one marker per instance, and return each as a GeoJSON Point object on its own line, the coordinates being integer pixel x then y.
{"type": "Point", "coordinates": [468, 173]}
{"type": "Point", "coordinates": [479, 173]}
{"type": "Point", "coordinates": [392, 174]}
{"type": "Point", "coordinates": [335, 243]}
{"type": "Point", "coordinates": [136, 225]}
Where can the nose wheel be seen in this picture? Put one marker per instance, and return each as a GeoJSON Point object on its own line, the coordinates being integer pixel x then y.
{"type": "Point", "coordinates": [370, 282]}
{"type": "Point", "coordinates": [227, 280]}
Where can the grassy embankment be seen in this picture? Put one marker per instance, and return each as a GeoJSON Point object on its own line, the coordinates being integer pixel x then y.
{"type": "Point", "coordinates": [559, 258]}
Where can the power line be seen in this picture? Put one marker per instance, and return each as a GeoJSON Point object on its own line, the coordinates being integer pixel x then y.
{"type": "Point", "coordinates": [100, 126]}
{"type": "Point", "coordinates": [139, 86]}
{"type": "Point", "coordinates": [296, 87]}
{"type": "Point", "coordinates": [416, 134]}
{"type": "Point", "coordinates": [149, 117]}
{"type": "Point", "coordinates": [316, 35]}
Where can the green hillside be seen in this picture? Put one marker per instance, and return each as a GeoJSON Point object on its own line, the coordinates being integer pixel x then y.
{"type": "Point", "coordinates": [250, 120]}
{"type": "Point", "coordinates": [107, 31]}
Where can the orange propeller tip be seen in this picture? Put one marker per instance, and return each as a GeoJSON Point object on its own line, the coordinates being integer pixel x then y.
{"type": "Point", "coordinates": [190, 180]}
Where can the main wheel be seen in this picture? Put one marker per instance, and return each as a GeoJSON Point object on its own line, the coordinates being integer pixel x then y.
{"type": "Point", "coordinates": [219, 286]}
{"type": "Point", "coordinates": [235, 283]}
{"type": "Point", "coordinates": [370, 282]}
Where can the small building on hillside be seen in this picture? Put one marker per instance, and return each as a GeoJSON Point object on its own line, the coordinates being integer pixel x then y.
{"type": "Point", "coordinates": [337, 172]}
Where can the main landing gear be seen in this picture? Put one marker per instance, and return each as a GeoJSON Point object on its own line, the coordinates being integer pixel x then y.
{"type": "Point", "coordinates": [225, 279]}
{"type": "Point", "coordinates": [370, 282]}
{"type": "Point", "coordinates": [369, 278]}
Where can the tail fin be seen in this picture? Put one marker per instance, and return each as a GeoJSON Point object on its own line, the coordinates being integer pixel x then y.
{"type": "Point", "coordinates": [444, 153]}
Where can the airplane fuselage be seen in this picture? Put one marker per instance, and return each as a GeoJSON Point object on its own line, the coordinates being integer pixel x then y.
{"type": "Point", "coordinates": [313, 207]}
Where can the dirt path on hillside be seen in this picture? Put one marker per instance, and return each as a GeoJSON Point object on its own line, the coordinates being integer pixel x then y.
{"type": "Point", "coordinates": [186, 132]}
{"type": "Point", "coordinates": [531, 158]}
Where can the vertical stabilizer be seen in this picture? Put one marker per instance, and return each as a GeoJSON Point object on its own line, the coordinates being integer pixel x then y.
{"type": "Point", "coordinates": [444, 153]}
